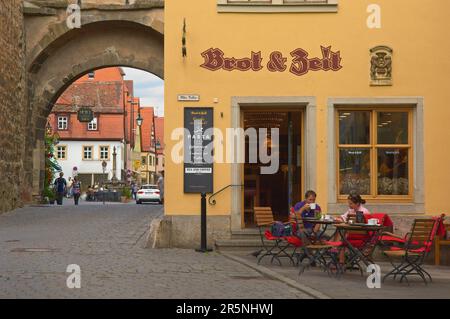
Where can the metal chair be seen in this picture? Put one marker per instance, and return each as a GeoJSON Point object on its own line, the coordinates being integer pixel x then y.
{"type": "Point", "coordinates": [274, 246]}
{"type": "Point", "coordinates": [417, 247]}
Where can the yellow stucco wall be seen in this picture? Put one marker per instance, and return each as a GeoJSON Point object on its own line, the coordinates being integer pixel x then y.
{"type": "Point", "coordinates": [417, 31]}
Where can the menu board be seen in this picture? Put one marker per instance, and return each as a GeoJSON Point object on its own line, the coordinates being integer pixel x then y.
{"type": "Point", "coordinates": [198, 139]}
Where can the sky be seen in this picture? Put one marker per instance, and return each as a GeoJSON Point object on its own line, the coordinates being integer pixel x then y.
{"type": "Point", "coordinates": [148, 87]}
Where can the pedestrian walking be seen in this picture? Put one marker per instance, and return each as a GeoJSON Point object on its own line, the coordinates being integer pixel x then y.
{"type": "Point", "coordinates": [161, 187]}
{"type": "Point", "coordinates": [76, 189]}
{"type": "Point", "coordinates": [134, 190]}
{"type": "Point", "coordinates": [60, 188]}
{"type": "Point", "coordinates": [69, 187]}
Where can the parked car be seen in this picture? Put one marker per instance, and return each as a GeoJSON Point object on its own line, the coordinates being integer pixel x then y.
{"type": "Point", "coordinates": [148, 193]}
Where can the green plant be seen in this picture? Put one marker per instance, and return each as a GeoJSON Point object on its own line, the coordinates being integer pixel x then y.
{"type": "Point", "coordinates": [49, 193]}
{"type": "Point", "coordinates": [51, 165]}
{"type": "Point", "coordinates": [126, 191]}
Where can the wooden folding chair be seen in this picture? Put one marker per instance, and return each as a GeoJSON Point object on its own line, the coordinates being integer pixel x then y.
{"type": "Point", "coordinates": [411, 257]}
{"type": "Point", "coordinates": [278, 245]}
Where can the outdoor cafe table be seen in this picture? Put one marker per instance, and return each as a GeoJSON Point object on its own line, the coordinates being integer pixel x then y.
{"type": "Point", "coordinates": [316, 252]}
{"type": "Point", "coordinates": [357, 255]}
{"type": "Point", "coordinates": [324, 222]}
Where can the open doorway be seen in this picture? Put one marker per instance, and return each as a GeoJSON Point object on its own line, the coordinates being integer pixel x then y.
{"type": "Point", "coordinates": [281, 190]}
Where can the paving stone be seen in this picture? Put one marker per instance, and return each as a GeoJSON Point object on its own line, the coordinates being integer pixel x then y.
{"type": "Point", "coordinates": [107, 245]}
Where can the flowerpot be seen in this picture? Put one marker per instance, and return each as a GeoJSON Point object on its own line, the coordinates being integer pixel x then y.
{"type": "Point", "coordinates": [124, 199]}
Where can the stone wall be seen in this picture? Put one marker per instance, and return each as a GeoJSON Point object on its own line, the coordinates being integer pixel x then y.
{"type": "Point", "coordinates": [184, 231]}
{"type": "Point", "coordinates": [12, 106]}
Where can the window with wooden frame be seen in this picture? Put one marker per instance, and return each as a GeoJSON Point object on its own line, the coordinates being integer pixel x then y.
{"type": "Point", "coordinates": [374, 153]}
{"type": "Point", "coordinates": [63, 123]}
{"type": "Point", "coordinates": [104, 152]}
{"type": "Point", "coordinates": [87, 152]}
{"type": "Point", "coordinates": [93, 125]}
{"type": "Point", "coordinates": [61, 152]}
{"type": "Point", "coordinates": [262, 6]}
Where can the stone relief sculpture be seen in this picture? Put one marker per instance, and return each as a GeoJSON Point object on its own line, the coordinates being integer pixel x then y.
{"type": "Point", "coordinates": [381, 66]}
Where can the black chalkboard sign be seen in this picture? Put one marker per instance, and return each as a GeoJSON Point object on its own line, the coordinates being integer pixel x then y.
{"type": "Point", "coordinates": [198, 139]}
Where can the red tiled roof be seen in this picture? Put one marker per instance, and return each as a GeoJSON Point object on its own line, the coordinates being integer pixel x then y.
{"type": "Point", "coordinates": [147, 114]}
{"type": "Point", "coordinates": [104, 97]}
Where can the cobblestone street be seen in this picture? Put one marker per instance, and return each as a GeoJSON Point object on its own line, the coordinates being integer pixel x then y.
{"type": "Point", "coordinates": [38, 243]}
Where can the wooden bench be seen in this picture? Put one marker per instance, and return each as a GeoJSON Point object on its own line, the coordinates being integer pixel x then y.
{"type": "Point", "coordinates": [438, 242]}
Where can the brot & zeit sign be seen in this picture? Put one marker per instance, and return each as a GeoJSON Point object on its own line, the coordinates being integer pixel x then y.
{"type": "Point", "coordinates": [198, 164]}
{"type": "Point", "coordinates": [300, 62]}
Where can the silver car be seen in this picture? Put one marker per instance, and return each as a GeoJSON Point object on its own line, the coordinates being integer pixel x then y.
{"type": "Point", "coordinates": [148, 193]}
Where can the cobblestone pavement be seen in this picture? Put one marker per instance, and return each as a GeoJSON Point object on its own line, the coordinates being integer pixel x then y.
{"type": "Point", "coordinates": [106, 242]}
{"type": "Point", "coordinates": [353, 285]}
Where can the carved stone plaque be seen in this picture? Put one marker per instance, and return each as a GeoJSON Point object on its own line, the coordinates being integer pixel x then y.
{"type": "Point", "coordinates": [381, 66]}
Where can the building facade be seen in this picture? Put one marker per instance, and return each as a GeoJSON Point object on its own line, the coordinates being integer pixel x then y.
{"type": "Point", "coordinates": [148, 146]}
{"type": "Point", "coordinates": [160, 154]}
{"type": "Point", "coordinates": [83, 147]}
{"type": "Point", "coordinates": [352, 93]}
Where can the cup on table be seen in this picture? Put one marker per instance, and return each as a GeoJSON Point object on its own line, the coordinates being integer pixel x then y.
{"type": "Point", "coordinates": [373, 222]}
{"type": "Point", "coordinates": [327, 217]}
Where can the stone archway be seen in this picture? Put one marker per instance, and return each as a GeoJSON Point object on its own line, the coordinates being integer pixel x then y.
{"type": "Point", "coordinates": [72, 54]}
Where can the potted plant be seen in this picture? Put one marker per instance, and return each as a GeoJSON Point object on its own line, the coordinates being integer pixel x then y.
{"type": "Point", "coordinates": [126, 195]}
{"type": "Point", "coordinates": [49, 196]}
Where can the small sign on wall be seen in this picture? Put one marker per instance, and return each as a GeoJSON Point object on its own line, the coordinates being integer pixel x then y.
{"type": "Point", "coordinates": [188, 97]}
{"type": "Point", "coordinates": [85, 114]}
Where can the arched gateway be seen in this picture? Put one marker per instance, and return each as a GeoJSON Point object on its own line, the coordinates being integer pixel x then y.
{"type": "Point", "coordinates": [110, 35]}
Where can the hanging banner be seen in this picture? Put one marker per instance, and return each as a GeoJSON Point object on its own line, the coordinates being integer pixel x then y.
{"type": "Point", "coordinates": [198, 139]}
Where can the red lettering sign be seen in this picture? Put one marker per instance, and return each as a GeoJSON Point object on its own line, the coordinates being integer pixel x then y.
{"type": "Point", "coordinates": [215, 60]}
{"type": "Point", "coordinates": [301, 64]}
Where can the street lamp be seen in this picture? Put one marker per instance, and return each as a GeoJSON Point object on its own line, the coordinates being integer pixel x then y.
{"type": "Point", "coordinates": [139, 119]}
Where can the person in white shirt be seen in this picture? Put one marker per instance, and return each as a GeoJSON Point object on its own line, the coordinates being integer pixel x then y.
{"type": "Point", "coordinates": [69, 188]}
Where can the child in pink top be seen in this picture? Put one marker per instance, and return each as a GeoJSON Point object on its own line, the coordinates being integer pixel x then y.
{"type": "Point", "coordinates": [355, 204]}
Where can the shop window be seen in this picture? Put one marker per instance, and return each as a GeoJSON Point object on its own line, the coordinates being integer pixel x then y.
{"type": "Point", "coordinates": [277, 5]}
{"type": "Point", "coordinates": [374, 153]}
